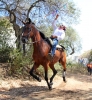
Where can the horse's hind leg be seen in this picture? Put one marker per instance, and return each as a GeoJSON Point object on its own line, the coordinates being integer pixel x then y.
{"type": "Point", "coordinates": [54, 73]}
{"type": "Point", "coordinates": [35, 66]}
{"type": "Point", "coordinates": [62, 61]}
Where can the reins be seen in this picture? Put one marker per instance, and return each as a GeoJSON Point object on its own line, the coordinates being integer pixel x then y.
{"type": "Point", "coordinates": [33, 42]}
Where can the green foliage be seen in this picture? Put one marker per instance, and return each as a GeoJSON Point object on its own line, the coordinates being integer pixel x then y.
{"type": "Point", "coordinates": [76, 67]}
{"type": "Point", "coordinates": [90, 57]}
{"type": "Point", "coordinates": [5, 49]}
{"type": "Point", "coordinates": [19, 63]}
{"type": "Point", "coordinates": [5, 54]}
{"type": "Point", "coordinates": [4, 33]}
{"type": "Point", "coordinates": [72, 41]}
{"type": "Point", "coordinates": [4, 23]}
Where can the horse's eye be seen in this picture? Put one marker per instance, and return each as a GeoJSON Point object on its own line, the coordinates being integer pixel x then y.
{"type": "Point", "coordinates": [28, 28]}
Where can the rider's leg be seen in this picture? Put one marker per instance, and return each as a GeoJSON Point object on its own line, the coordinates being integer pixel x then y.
{"type": "Point", "coordinates": [55, 42]}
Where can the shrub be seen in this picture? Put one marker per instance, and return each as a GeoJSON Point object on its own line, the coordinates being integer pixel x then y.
{"type": "Point", "coordinates": [5, 54]}
{"type": "Point", "coordinates": [19, 64]}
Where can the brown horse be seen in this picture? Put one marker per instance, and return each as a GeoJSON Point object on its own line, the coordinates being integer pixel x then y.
{"type": "Point", "coordinates": [40, 54]}
{"type": "Point", "coordinates": [89, 68]}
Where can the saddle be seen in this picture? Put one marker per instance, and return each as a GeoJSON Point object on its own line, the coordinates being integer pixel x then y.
{"type": "Point", "coordinates": [58, 47]}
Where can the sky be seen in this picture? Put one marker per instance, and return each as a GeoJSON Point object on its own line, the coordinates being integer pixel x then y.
{"type": "Point", "coordinates": [84, 28]}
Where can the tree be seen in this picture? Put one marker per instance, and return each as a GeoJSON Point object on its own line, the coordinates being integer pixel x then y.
{"type": "Point", "coordinates": [40, 11]}
{"type": "Point", "coordinates": [87, 54]}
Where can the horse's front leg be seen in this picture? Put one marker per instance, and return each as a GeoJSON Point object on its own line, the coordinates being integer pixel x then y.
{"type": "Point", "coordinates": [35, 66]}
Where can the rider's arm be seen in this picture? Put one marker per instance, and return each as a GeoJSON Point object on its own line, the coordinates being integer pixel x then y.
{"type": "Point", "coordinates": [54, 22]}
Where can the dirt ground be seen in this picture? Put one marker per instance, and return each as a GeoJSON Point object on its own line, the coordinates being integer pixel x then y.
{"type": "Point", "coordinates": [77, 87]}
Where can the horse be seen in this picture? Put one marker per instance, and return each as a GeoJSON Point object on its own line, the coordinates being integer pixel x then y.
{"type": "Point", "coordinates": [41, 48]}
{"type": "Point", "coordinates": [89, 68]}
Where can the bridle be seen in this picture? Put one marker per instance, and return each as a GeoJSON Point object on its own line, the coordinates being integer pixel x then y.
{"type": "Point", "coordinates": [26, 38]}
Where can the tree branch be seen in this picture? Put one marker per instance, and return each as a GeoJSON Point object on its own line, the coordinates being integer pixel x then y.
{"type": "Point", "coordinates": [33, 5]}
{"type": "Point", "coordinates": [73, 49]}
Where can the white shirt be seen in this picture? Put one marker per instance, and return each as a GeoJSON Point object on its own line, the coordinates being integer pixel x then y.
{"type": "Point", "coordinates": [58, 32]}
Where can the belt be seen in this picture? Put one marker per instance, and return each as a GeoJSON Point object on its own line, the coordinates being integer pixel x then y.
{"type": "Point", "coordinates": [54, 38]}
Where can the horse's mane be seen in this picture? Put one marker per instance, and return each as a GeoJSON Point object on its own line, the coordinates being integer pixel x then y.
{"type": "Point", "coordinates": [45, 38]}
{"type": "Point", "coordinates": [42, 35]}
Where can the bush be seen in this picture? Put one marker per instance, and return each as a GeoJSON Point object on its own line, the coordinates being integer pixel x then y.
{"type": "Point", "coordinates": [5, 54]}
{"type": "Point", "coordinates": [19, 64]}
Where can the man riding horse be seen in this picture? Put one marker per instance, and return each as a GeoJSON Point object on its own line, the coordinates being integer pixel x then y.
{"type": "Point", "coordinates": [58, 35]}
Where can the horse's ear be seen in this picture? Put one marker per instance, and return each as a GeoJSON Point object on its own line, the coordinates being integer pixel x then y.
{"type": "Point", "coordinates": [23, 22]}
{"type": "Point", "coordinates": [33, 23]}
{"type": "Point", "coordinates": [29, 20]}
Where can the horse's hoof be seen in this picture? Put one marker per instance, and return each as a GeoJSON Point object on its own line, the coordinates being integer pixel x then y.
{"type": "Point", "coordinates": [50, 88]}
{"type": "Point", "coordinates": [39, 80]}
{"type": "Point", "coordinates": [51, 83]}
{"type": "Point", "coordinates": [64, 79]}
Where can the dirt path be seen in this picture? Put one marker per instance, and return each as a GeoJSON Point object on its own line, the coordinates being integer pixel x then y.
{"type": "Point", "coordinates": [78, 87]}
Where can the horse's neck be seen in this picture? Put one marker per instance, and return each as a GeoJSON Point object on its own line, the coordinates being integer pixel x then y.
{"type": "Point", "coordinates": [38, 43]}
{"type": "Point", "coordinates": [36, 39]}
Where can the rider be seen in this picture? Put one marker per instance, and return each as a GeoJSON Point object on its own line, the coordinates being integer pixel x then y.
{"type": "Point", "coordinates": [58, 34]}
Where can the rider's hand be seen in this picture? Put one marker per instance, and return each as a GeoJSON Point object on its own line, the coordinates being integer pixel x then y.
{"type": "Point", "coordinates": [53, 36]}
{"type": "Point", "coordinates": [56, 17]}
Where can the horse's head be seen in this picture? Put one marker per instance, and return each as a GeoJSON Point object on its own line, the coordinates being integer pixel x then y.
{"type": "Point", "coordinates": [27, 33]}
